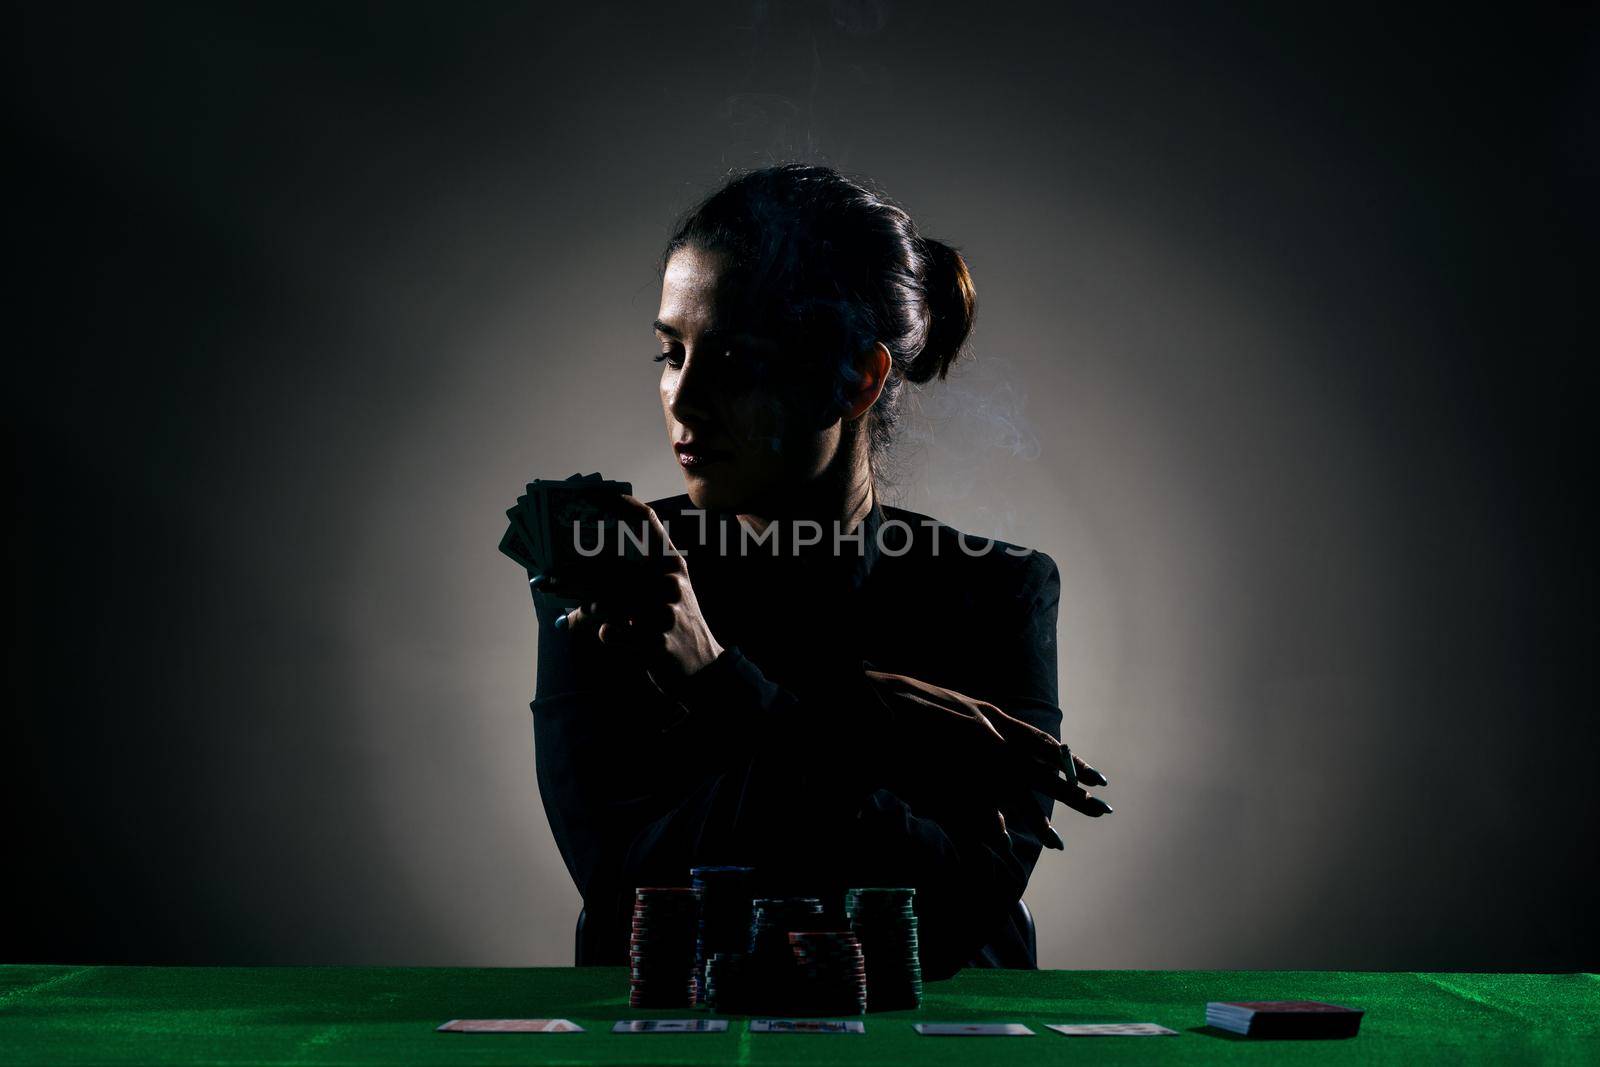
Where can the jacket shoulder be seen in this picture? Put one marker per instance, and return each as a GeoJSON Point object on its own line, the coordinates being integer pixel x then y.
{"type": "Point", "coordinates": [1012, 570]}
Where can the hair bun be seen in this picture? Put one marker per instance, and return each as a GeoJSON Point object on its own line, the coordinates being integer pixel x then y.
{"type": "Point", "coordinates": [952, 302]}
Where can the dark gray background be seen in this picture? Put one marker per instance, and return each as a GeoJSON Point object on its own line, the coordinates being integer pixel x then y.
{"type": "Point", "coordinates": [1278, 355]}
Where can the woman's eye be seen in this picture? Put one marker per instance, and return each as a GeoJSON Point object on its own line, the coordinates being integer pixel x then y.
{"type": "Point", "coordinates": [671, 359]}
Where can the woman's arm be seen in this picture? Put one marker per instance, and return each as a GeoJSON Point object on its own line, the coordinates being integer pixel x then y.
{"type": "Point", "coordinates": [738, 780]}
{"type": "Point", "coordinates": [933, 830]}
{"type": "Point", "coordinates": [636, 794]}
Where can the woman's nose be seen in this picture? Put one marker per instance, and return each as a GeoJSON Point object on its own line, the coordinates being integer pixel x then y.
{"type": "Point", "coordinates": [692, 391]}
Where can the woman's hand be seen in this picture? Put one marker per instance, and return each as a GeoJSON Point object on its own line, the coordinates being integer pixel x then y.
{"type": "Point", "coordinates": [644, 608]}
{"type": "Point", "coordinates": [975, 741]}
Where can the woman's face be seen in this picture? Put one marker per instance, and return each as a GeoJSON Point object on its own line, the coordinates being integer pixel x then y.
{"type": "Point", "coordinates": [747, 424]}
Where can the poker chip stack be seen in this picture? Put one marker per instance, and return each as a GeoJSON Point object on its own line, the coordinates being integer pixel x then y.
{"type": "Point", "coordinates": [727, 983]}
{"type": "Point", "coordinates": [831, 973]}
{"type": "Point", "coordinates": [661, 950]}
{"type": "Point", "coordinates": [724, 924]}
{"type": "Point", "coordinates": [773, 919]}
{"type": "Point", "coordinates": [885, 923]}
{"type": "Point", "coordinates": [771, 967]}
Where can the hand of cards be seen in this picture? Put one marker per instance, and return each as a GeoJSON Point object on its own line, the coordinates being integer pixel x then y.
{"type": "Point", "coordinates": [571, 528]}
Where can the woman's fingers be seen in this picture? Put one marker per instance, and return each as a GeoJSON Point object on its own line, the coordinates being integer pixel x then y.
{"type": "Point", "coordinates": [1074, 797]}
{"type": "Point", "coordinates": [584, 619]}
{"type": "Point", "coordinates": [1043, 746]}
{"type": "Point", "coordinates": [935, 715]}
{"type": "Point", "coordinates": [984, 721]}
{"type": "Point", "coordinates": [655, 533]}
{"type": "Point", "coordinates": [1040, 744]}
{"type": "Point", "coordinates": [991, 828]}
{"type": "Point", "coordinates": [1026, 811]}
{"type": "Point", "coordinates": [1068, 762]}
{"type": "Point", "coordinates": [640, 596]}
{"type": "Point", "coordinates": [612, 622]}
{"type": "Point", "coordinates": [1086, 773]}
{"type": "Point", "coordinates": [1034, 755]}
{"type": "Point", "coordinates": [626, 634]}
{"type": "Point", "coordinates": [1055, 754]}
{"type": "Point", "coordinates": [1048, 780]}
{"type": "Point", "coordinates": [623, 582]}
{"type": "Point", "coordinates": [591, 616]}
{"type": "Point", "coordinates": [1019, 753]}
{"type": "Point", "coordinates": [612, 629]}
{"type": "Point", "coordinates": [1076, 770]}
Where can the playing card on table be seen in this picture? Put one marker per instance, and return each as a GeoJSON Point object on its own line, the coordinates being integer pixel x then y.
{"type": "Point", "coordinates": [1111, 1029]}
{"type": "Point", "coordinates": [973, 1030]}
{"type": "Point", "coordinates": [670, 1026]}
{"type": "Point", "coordinates": [511, 1026]}
{"type": "Point", "coordinates": [807, 1026]}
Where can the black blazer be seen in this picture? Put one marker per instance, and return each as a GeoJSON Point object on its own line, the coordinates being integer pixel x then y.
{"type": "Point", "coordinates": [771, 766]}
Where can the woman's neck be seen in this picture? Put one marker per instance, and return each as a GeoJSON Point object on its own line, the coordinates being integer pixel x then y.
{"type": "Point", "coordinates": [844, 499]}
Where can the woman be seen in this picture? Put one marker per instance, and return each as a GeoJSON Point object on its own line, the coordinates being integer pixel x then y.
{"type": "Point", "coordinates": [872, 704]}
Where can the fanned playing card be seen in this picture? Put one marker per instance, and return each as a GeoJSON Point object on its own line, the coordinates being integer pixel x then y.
{"type": "Point", "coordinates": [514, 542]}
{"type": "Point", "coordinates": [553, 519]}
{"type": "Point", "coordinates": [533, 524]}
{"type": "Point", "coordinates": [581, 521]}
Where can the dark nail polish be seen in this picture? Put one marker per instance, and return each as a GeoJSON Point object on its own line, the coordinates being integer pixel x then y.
{"type": "Point", "coordinates": [538, 579]}
{"type": "Point", "coordinates": [1094, 777]}
{"type": "Point", "coordinates": [1052, 838]}
{"type": "Point", "coordinates": [561, 622]}
{"type": "Point", "coordinates": [1104, 808]}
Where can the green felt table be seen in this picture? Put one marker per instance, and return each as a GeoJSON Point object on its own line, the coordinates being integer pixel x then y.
{"type": "Point", "coordinates": [367, 1015]}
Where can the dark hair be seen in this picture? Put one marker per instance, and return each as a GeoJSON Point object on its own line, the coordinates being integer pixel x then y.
{"type": "Point", "coordinates": [828, 267]}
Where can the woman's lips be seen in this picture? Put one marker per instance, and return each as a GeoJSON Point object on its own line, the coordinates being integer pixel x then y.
{"type": "Point", "coordinates": [693, 460]}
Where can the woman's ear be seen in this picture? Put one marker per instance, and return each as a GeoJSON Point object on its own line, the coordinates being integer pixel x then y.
{"type": "Point", "coordinates": [871, 374]}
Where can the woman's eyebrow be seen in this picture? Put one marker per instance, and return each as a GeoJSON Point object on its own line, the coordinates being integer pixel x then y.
{"type": "Point", "coordinates": [710, 336]}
